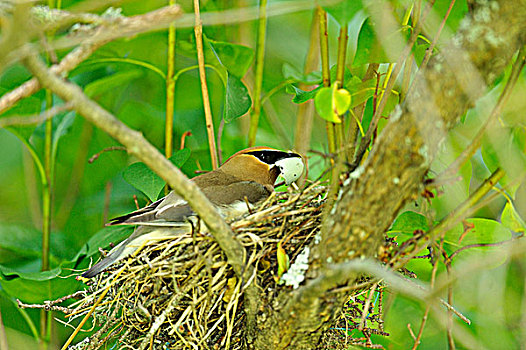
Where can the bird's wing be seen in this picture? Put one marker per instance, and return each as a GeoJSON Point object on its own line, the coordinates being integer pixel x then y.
{"type": "Point", "coordinates": [249, 191]}
{"type": "Point", "coordinates": [235, 199]}
{"type": "Point", "coordinates": [170, 210]}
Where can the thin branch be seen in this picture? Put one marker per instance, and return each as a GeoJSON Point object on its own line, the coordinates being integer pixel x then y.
{"type": "Point", "coordinates": [96, 156]}
{"type": "Point", "coordinates": [325, 73]}
{"type": "Point", "coordinates": [437, 36]}
{"type": "Point", "coordinates": [340, 77]}
{"type": "Point", "coordinates": [138, 146]}
{"type": "Point", "coordinates": [428, 307]}
{"type": "Point", "coordinates": [198, 29]}
{"type": "Point", "coordinates": [338, 274]}
{"type": "Point", "coordinates": [51, 19]}
{"type": "Point", "coordinates": [33, 119]}
{"type": "Point", "coordinates": [366, 306]}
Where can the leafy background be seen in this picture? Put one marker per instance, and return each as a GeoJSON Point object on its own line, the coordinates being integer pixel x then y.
{"type": "Point", "coordinates": [127, 77]}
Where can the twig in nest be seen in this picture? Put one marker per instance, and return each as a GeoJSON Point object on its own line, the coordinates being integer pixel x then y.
{"type": "Point", "coordinates": [51, 305]}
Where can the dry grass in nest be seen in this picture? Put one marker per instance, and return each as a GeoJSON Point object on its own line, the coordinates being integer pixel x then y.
{"type": "Point", "coordinates": [180, 293]}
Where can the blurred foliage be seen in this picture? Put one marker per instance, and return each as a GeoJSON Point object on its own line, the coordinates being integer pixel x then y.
{"type": "Point", "coordinates": [127, 77]}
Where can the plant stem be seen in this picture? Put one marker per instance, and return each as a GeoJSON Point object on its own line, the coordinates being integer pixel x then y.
{"type": "Point", "coordinates": [342, 52]}
{"type": "Point", "coordinates": [325, 73]}
{"type": "Point", "coordinates": [324, 47]}
{"type": "Point", "coordinates": [258, 81]}
{"type": "Point", "coordinates": [170, 93]}
{"type": "Point", "coordinates": [47, 190]}
{"type": "Point", "coordinates": [170, 90]}
{"type": "Point", "coordinates": [204, 89]}
{"type": "Point", "coordinates": [450, 339]}
{"type": "Point", "coordinates": [340, 79]}
{"type": "Point", "coordinates": [47, 187]}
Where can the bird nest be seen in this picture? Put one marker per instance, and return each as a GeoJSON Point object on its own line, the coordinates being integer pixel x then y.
{"type": "Point", "coordinates": [181, 293]}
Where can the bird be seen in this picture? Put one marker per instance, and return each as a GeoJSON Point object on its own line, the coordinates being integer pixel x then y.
{"type": "Point", "coordinates": [245, 179]}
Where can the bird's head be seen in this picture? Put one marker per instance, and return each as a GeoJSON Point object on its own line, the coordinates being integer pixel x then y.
{"type": "Point", "coordinates": [264, 165]}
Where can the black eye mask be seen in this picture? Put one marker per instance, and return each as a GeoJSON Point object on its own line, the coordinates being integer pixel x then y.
{"type": "Point", "coordinates": [271, 157]}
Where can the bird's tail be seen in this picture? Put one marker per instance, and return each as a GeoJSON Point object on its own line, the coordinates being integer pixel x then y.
{"type": "Point", "coordinates": [138, 239]}
{"type": "Point", "coordinates": [117, 254]}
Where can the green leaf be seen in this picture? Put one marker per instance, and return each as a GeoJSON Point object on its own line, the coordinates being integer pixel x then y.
{"type": "Point", "coordinates": [237, 99]}
{"type": "Point", "coordinates": [9, 274]}
{"type": "Point", "coordinates": [360, 90]}
{"type": "Point", "coordinates": [324, 105]}
{"type": "Point", "coordinates": [142, 178]}
{"type": "Point", "coordinates": [17, 241]}
{"type": "Point", "coordinates": [235, 58]}
{"type": "Point", "coordinates": [283, 260]}
{"type": "Point", "coordinates": [342, 101]}
{"type": "Point", "coordinates": [408, 222]}
{"type": "Point", "coordinates": [301, 96]}
{"type": "Point", "coordinates": [36, 287]}
{"type": "Point", "coordinates": [332, 102]}
{"type": "Point", "coordinates": [478, 231]}
{"type": "Point", "coordinates": [344, 11]}
{"type": "Point", "coordinates": [180, 157]}
{"type": "Point", "coordinates": [291, 73]}
{"type": "Point", "coordinates": [109, 83]}
{"type": "Point", "coordinates": [511, 219]}
{"type": "Point", "coordinates": [369, 49]}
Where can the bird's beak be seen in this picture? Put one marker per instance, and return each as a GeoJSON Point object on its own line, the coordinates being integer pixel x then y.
{"type": "Point", "coordinates": [290, 168]}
